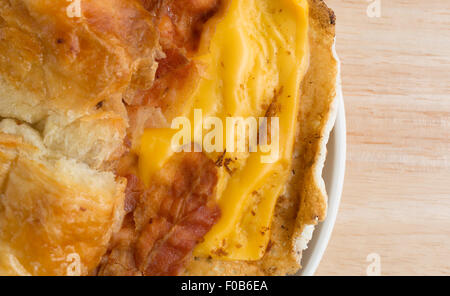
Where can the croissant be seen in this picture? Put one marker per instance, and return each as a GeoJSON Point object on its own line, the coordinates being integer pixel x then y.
{"type": "Point", "coordinates": [90, 91]}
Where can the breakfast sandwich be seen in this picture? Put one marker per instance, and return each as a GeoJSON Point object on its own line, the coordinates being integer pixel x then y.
{"type": "Point", "coordinates": [163, 137]}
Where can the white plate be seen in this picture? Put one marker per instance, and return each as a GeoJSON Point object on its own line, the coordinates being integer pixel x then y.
{"type": "Point", "coordinates": [333, 175]}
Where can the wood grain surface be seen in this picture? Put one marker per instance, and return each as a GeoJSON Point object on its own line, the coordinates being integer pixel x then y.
{"type": "Point", "coordinates": [396, 82]}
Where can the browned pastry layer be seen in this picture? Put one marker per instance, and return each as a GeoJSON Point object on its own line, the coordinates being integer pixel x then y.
{"type": "Point", "coordinates": [62, 127]}
{"type": "Point", "coordinates": [56, 216]}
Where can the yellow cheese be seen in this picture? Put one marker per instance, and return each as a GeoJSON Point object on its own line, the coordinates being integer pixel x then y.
{"type": "Point", "coordinates": [155, 150]}
{"type": "Point", "coordinates": [253, 53]}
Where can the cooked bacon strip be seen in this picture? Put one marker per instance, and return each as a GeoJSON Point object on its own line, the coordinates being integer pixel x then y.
{"type": "Point", "coordinates": [169, 257]}
{"type": "Point", "coordinates": [174, 60]}
{"type": "Point", "coordinates": [181, 21]}
{"type": "Point", "coordinates": [184, 215]}
{"type": "Point", "coordinates": [171, 218]}
{"type": "Point", "coordinates": [132, 192]}
{"type": "Point", "coordinates": [175, 78]}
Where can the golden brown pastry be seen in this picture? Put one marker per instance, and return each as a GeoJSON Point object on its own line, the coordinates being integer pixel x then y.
{"type": "Point", "coordinates": [63, 123]}
{"type": "Point", "coordinates": [56, 215]}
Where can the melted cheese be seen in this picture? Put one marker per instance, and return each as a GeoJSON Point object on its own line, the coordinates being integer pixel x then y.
{"type": "Point", "coordinates": [155, 150]}
{"type": "Point", "coordinates": [254, 53]}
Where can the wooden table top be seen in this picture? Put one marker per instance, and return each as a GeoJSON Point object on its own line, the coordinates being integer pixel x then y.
{"type": "Point", "coordinates": [396, 83]}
